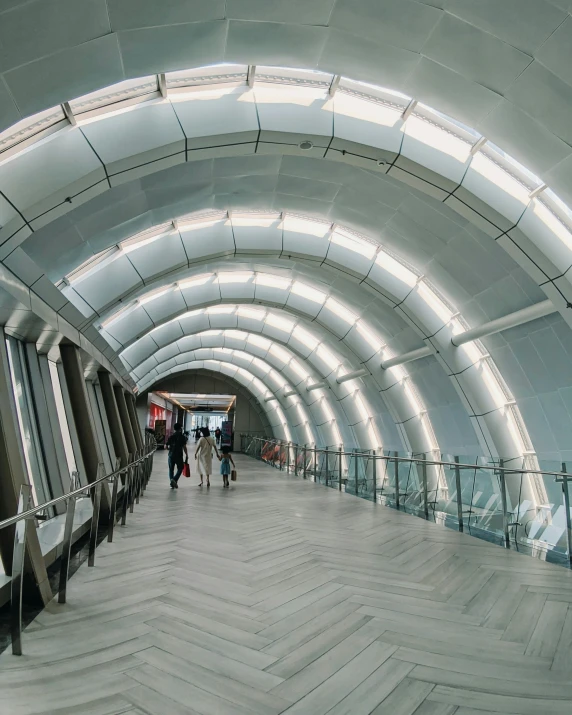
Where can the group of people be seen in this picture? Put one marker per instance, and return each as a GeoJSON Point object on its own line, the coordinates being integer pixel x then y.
{"type": "Point", "coordinates": [178, 455]}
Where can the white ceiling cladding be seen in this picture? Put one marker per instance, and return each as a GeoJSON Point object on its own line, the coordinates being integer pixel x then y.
{"type": "Point", "coordinates": [442, 207]}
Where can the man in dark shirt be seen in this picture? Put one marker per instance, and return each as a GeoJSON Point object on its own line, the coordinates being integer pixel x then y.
{"type": "Point", "coordinates": [177, 445]}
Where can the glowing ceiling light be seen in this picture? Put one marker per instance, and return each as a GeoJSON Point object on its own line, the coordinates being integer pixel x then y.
{"type": "Point", "coordinates": [305, 291]}
{"type": "Point", "coordinates": [235, 277]}
{"type": "Point", "coordinates": [397, 269]}
{"type": "Point", "coordinates": [298, 224]}
{"type": "Point", "coordinates": [271, 281]}
{"type": "Point", "coordinates": [353, 243]}
{"type": "Point", "coordinates": [328, 357]}
{"type": "Point", "coordinates": [369, 336]}
{"type": "Point", "coordinates": [259, 341]}
{"type": "Point", "coordinates": [299, 369]}
{"type": "Point", "coordinates": [305, 337]}
{"type": "Point", "coordinates": [196, 281]}
{"type": "Point", "coordinates": [252, 313]}
{"type": "Point", "coordinates": [427, 133]}
{"type": "Point", "coordinates": [434, 302]}
{"type": "Point", "coordinates": [197, 224]}
{"type": "Point", "coordinates": [341, 311]}
{"type": "Point", "coordinates": [277, 321]}
{"type": "Point", "coordinates": [237, 334]}
{"type": "Point", "coordinates": [494, 173]}
{"type": "Point", "coordinates": [155, 294]}
{"type": "Point", "coordinates": [280, 353]}
{"type": "Point", "coordinates": [221, 309]}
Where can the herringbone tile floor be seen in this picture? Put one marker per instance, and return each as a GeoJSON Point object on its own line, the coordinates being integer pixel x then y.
{"type": "Point", "coordinates": [279, 595]}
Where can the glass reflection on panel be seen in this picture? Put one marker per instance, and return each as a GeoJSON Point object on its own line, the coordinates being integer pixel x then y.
{"type": "Point", "coordinates": [26, 419]}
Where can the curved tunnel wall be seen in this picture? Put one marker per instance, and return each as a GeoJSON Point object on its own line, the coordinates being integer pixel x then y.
{"type": "Point", "coordinates": [493, 218]}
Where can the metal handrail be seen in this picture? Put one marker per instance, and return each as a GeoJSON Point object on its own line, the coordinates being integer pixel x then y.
{"type": "Point", "coordinates": [500, 469]}
{"type": "Point", "coordinates": [417, 460]}
{"type": "Point", "coordinates": [137, 474]}
{"type": "Point", "coordinates": [76, 492]}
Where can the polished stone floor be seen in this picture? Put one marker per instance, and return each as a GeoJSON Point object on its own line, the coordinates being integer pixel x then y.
{"type": "Point", "coordinates": [279, 595]}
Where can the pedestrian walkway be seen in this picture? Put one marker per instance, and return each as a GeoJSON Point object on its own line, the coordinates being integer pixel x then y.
{"type": "Point", "coordinates": [279, 595]}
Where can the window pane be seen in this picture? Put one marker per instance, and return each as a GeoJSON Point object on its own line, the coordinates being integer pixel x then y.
{"type": "Point", "coordinates": [25, 420]}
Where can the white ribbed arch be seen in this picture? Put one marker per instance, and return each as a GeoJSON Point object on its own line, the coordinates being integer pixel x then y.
{"type": "Point", "coordinates": [347, 403]}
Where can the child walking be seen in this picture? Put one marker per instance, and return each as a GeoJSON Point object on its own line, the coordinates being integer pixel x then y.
{"type": "Point", "coordinates": [225, 461]}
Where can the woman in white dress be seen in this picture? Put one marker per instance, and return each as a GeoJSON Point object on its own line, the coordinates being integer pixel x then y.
{"type": "Point", "coordinates": [204, 455]}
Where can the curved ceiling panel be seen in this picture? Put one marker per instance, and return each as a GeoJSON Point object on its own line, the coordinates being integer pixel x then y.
{"type": "Point", "coordinates": [410, 142]}
{"type": "Point", "coordinates": [442, 158]}
{"type": "Point", "coordinates": [472, 368]}
{"type": "Point", "coordinates": [494, 66]}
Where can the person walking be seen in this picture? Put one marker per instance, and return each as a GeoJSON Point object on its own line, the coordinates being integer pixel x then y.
{"type": "Point", "coordinates": [217, 435]}
{"type": "Point", "coordinates": [204, 455]}
{"type": "Point", "coordinates": [177, 445]}
{"type": "Point", "coordinates": [197, 434]}
{"type": "Point", "coordinates": [225, 461]}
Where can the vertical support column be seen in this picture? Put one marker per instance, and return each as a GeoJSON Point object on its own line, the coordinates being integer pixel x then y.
{"type": "Point", "coordinates": [566, 496]}
{"type": "Point", "coordinates": [356, 471]}
{"type": "Point", "coordinates": [425, 495]}
{"type": "Point", "coordinates": [374, 476]}
{"type": "Point", "coordinates": [304, 467]}
{"type": "Point", "coordinates": [459, 499]}
{"type": "Point", "coordinates": [396, 473]}
{"type": "Point", "coordinates": [112, 412]}
{"type": "Point", "coordinates": [90, 451]}
{"type": "Point", "coordinates": [125, 419]}
{"type": "Point", "coordinates": [504, 503]}
{"type": "Point", "coordinates": [13, 475]}
{"type": "Point", "coordinates": [132, 412]}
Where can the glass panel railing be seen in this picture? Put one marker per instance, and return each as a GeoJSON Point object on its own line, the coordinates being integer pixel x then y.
{"type": "Point", "coordinates": [519, 503]}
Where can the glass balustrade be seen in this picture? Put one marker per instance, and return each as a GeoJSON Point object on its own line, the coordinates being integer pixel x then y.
{"type": "Point", "coordinates": [521, 503]}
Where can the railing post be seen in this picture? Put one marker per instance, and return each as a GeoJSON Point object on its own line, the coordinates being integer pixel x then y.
{"type": "Point", "coordinates": [340, 469]}
{"type": "Point", "coordinates": [113, 507]}
{"type": "Point", "coordinates": [126, 490]}
{"type": "Point", "coordinates": [459, 499]}
{"type": "Point", "coordinates": [566, 495]}
{"type": "Point", "coordinates": [67, 542]}
{"type": "Point", "coordinates": [288, 447]}
{"type": "Point", "coordinates": [295, 460]}
{"type": "Point", "coordinates": [396, 475]}
{"type": "Point", "coordinates": [315, 464]}
{"type": "Point", "coordinates": [304, 467]}
{"type": "Point", "coordinates": [374, 476]}
{"type": "Point", "coordinates": [19, 552]}
{"type": "Point", "coordinates": [326, 464]}
{"type": "Point", "coordinates": [504, 504]}
{"type": "Point", "coordinates": [356, 471]}
{"type": "Point", "coordinates": [95, 517]}
{"type": "Point", "coordinates": [425, 495]}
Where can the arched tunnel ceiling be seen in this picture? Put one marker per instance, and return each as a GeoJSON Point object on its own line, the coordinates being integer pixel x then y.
{"type": "Point", "coordinates": [249, 191]}
{"type": "Point", "coordinates": [503, 67]}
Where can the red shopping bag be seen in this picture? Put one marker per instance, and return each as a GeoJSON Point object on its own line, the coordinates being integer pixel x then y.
{"type": "Point", "coordinates": [186, 470]}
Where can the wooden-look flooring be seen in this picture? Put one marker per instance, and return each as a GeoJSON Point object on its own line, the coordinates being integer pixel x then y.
{"type": "Point", "coordinates": [281, 596]}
